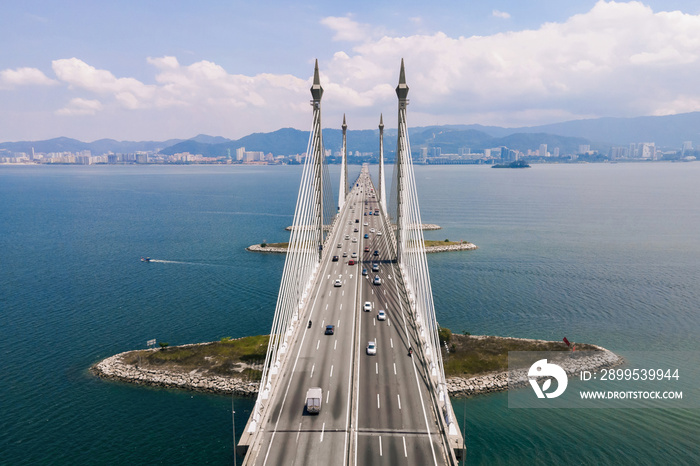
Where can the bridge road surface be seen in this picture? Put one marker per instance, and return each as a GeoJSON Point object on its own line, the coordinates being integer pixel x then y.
{"type": "Point", "coordinates": [384, 397]}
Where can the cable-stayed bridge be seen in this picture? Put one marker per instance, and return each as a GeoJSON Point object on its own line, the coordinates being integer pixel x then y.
{"type": "Point", "coordinates": [355, 317]}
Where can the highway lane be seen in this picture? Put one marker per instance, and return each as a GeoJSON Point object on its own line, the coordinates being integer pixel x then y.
{"type": "Point", "coordinates": [292, 436]}
{"type": "Point", "coordinates": [395, 420]}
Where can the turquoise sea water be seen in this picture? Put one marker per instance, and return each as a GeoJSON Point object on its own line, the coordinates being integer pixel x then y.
{"type": "Point", "coordinates": [598, 253]}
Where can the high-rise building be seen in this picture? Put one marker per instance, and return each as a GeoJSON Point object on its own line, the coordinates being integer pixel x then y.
{"type": "Point", "coordinates": [240, 153]}
{"type": "Point", "coordinates": [543, 150]}
{"type": "Point", "coordinates": [687, 147]}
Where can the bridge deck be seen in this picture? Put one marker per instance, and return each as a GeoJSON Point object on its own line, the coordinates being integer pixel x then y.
{"type": "Point", "coordinates": [377, 409]}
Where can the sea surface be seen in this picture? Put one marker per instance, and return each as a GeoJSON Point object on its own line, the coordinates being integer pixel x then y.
{"type": "Point", "coordinates": [600, 253]}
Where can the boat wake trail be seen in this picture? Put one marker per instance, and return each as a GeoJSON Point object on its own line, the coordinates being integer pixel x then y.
{"type": "Point", "coordinates": [162, 261]}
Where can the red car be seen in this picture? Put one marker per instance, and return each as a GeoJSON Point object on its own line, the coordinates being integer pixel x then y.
{"type": "Point", "coordinates": [351, 262]}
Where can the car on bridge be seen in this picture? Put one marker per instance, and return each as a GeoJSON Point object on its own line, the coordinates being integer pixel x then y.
{"type": "Point", "coordinates": [381, 315]}
{"type": "Point", "coordinates": [337, 283]}
{"type": "Point", "coordinates": [330, 329]}
{"type": "Point", "coordinates": [368, 306]}
{"type": "Point", "coordinates": [353, 255]}
{"type": "Point", "coordinates": [376, 252]}
{"type": "Point", "coordinates": [375, 267]}
{"type": "Point", "coordinates": [379, 233]}
{"type": "Point", "coordinates": [377, 280]}
{"type": "Point", "coordinates": [366, 248]}
{"type": "Point", "coordinates": [351, 262]}
{"type": "Point", "coordinates": [364, 271]}
{"type": "Point", "coordinates": [356, 230]}
{"type": "Point", "coordinates": [366, 235]}
{"type": "Point", "coordinates": [340, 245]}
{"type": "Point", "coordinates": [335, 258]}
{"type": "Point", "coordinates": [372, 347]}
{"type": "Point", "coordinates": [354, 240]}
{"type": "Point", "coordinates": [345, 254]}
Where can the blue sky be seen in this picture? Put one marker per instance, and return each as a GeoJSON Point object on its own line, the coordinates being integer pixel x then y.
{"type": "Point", "coordinates": [136, 70]}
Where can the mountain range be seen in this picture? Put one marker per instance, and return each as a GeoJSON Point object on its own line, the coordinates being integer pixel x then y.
{"type": "Point", "coordinates": [600, 133]}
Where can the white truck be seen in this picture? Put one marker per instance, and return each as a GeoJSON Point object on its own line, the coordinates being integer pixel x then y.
{"type": "Point", "coordinates": [313, 400]}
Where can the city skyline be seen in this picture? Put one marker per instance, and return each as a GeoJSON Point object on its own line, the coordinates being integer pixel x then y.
{"type": "Point", "coordinates": [147, 72]}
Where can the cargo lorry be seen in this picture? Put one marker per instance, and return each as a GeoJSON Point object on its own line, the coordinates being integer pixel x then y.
{"type": "Point", "coordinates": [313, 400]}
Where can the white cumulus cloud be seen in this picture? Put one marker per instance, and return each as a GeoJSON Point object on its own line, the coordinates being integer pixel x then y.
{"type": "Point", "coordinates": [347, 29]}
{"type": "Point", "coordinates": [618, 59]}
{"type": "Point", "coordinates": [500, 14]}
{"type": "Point", "coordinates": [10, 79]}
{"type": "Point", "coordinates": [78, 106]}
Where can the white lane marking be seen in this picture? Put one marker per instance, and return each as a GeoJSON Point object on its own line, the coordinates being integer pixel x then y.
{"type": "Point", "coordinates": [375, 322]}
{"type": "Point", "coordinates": [350, 276]}
{"type": "Point", "coordinates": [384, 291]}
{"type": "Point", "coordinates": [328, 394]}
{"type": "Point", "coordinates": [405, 453]}
{"type": "Point", "coordinates": [343, 293]}
{"type": "Point", "coordinates": [331, 370]}
{"type": "Point", "coordinates": [394, 368]}
{"type": "Point", "coordinates": [335, 344]}
{"type": "Point", "coordinates": [318, 344]}
{"type": "Point", "coordinates": [376, 367]}
{"type": "Point", "coordinates": [326, 307]}
{"type": "Point", "coordinates": [389, 275]}
{"type": "Point", "coordinates": [323, 323]}
{"type": "Point", "coordinates": [399, 397]}
{"type": "Point", "coordinates": [338, 323]}
{"type": "Point", "coordinates": [341, 306]}
{"type": "Point", "coordinates": [391, 340]}
{"type": "Point", "coordinates": [372, 292]}
{"type": "Point", "coordinates": [388, 323]}
{"type": "Point", "coordinates": [329, 294]}
{"type": "Point", "coordinates": [298, 432]}
{"type": "Point", "coordinates": [312, 370]}
{"type": "Point", "coordinates": [329, 276]}
{"type": "Point", "coordinates": [380, 445]}
{"type": "Point", "coordinates": [378, 401]}
{"type": "Point", "coordinates": [323, 429]}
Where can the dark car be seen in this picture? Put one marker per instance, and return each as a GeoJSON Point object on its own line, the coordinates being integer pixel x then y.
{"type": "Point", "coordinates": [335, 258]}
{"type": "Point", "coordinates": [366, 235]}
{"type": "Point", "coordinates": [364, 271]}
{"type": "Point", "coordinates": [330, 329]}
{"type": "Point", "coordinates": [357, 220]}
{"type": "Point", "coordinates": [366, 248]}
{"type": "Point", "coordinates": [376, 253]}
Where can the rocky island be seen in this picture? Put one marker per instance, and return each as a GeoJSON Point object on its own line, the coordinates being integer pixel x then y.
{"type": "Point", "coordinates": [473, 364]}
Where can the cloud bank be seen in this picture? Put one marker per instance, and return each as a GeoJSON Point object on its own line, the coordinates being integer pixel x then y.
{"type": "Point", "coordinates": [618, 59]}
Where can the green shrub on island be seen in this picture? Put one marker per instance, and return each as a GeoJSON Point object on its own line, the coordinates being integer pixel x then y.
{"type": "Point", "coordinates": [445, 334]}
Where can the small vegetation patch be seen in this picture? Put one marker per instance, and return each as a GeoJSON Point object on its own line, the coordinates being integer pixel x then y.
{"type": "Point", "coordinates": [447, 242]}
{"type": "Point", "coordinates": [242, 357]}
{"type": "Point", "coordinates": [276, 245]}
{"type": "Point", "coordinates": [470, 356]}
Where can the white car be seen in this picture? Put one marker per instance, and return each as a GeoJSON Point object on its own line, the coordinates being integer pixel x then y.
{"type": "Point", "coordinates": [379, 233]}
{"type": "Point", "coordinates": [353, 255]}
{"type": "Point", "coordinates": [377, 280]}
{"type": "Point", "coordinates": [337, 283]}
{"type": "Point", "coordinates": [345, 254]}
{"type": "Point", "coordinates": [372, 347]}
{"type": "Point", "coordinates": [354, 240]}
{"type": "Point", "coordinates": [365, 224]}
{"type": "Point", "coordinates": [368, 306]}
{"type": "Point", "coordinates": [347, 236]}
{"type": "Point", "coordinates": [381, 315]}
{"type": "Point", "coordinates": [372, 230]}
